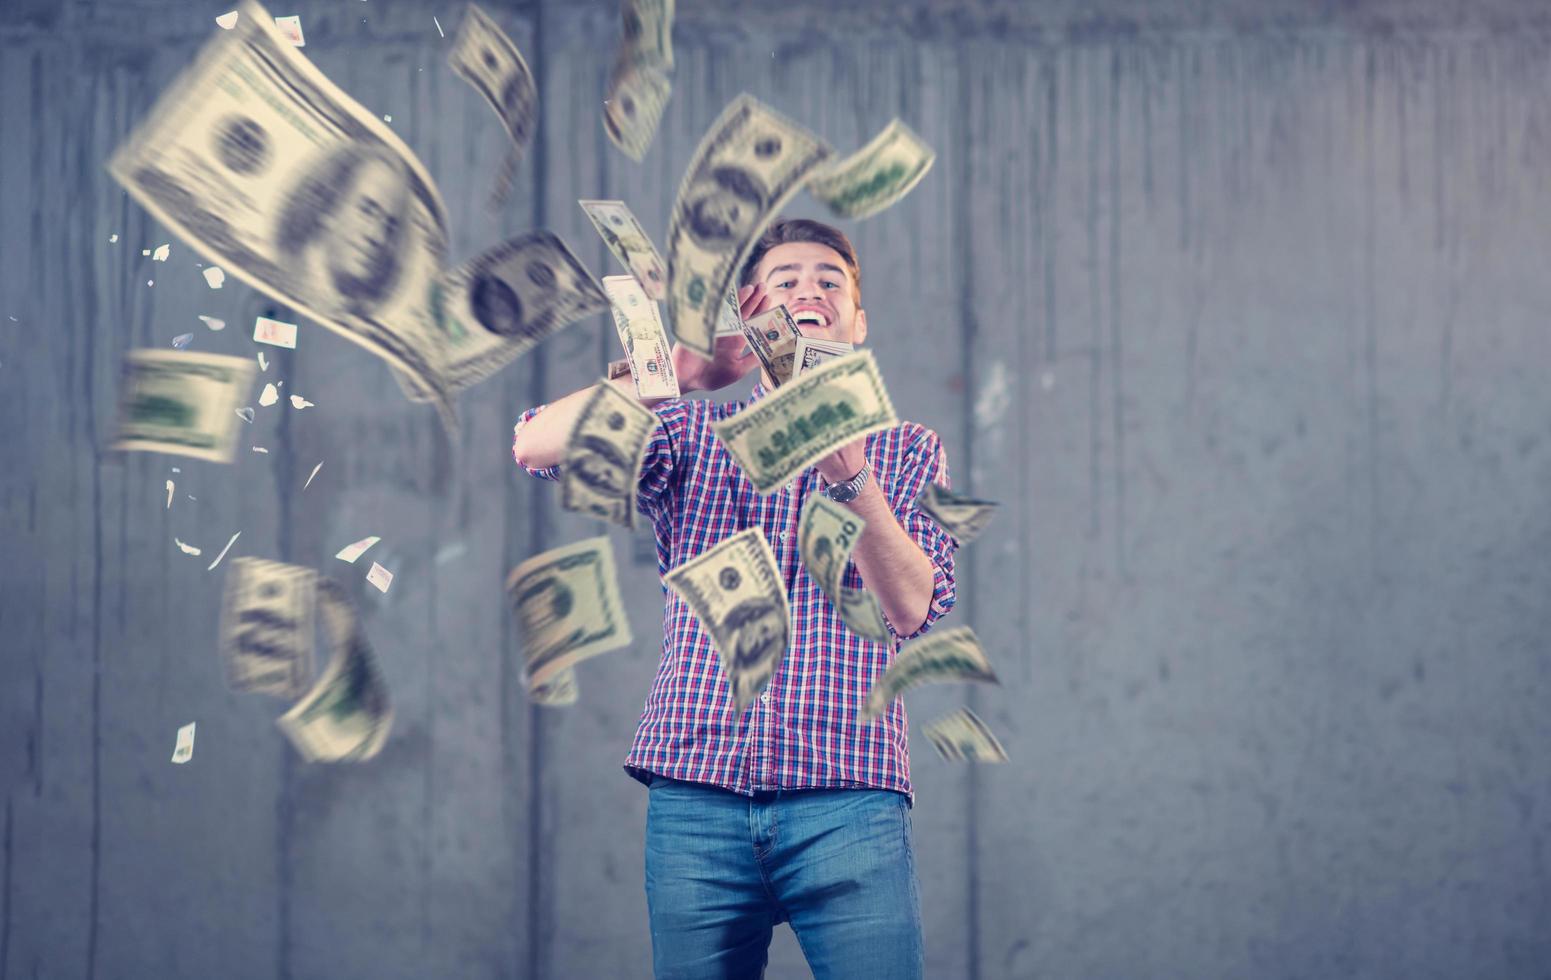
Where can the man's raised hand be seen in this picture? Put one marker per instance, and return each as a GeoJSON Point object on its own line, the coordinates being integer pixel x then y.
{"type": "Point", "coordinates": [730, 359]}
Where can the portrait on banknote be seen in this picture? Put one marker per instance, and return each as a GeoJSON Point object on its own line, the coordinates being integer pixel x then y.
{"type": "Point", "coordinates": [496, 306]}
{"type": "Point", "coordinates": [345, 224]}
{"type": "Point", "coordinates": [721, 210]}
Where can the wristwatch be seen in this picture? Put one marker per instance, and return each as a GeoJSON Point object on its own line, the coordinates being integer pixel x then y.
{"type": "Point", "coordinates": [847, 490]}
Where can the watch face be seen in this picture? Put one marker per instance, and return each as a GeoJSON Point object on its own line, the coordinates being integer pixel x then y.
{"type": "Point", "coordinates": [841, 493]}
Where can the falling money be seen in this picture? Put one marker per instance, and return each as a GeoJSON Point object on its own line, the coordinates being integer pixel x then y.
{"type": "Point", "coordinates": [625, 237]}
{"type": "Point", "coordinates": [806, 420]}
{"type": "Point", "coordinates": [827, 533]}
{"type": "Point", "coordinates": [267, 627]}
{"type": "Point", "coordinates": [603, 455]}
{"type": "Point", "coordinates": [346, 716]}
{"type": "Point", "coordinates": [486, 58]}
{"type": "Point", "coordinates": [962, 517]}
{"type": "Point", "coordinates": [736, 591]}
{"type": "Point", "coordinates": [173, 401]}
{"type": "Point", "coordinates": [773, 337]}
{"type": "Point", "coordinates": [568, 609]}
{"type": "Point", "coordinates": [813, 351]}
{"type": "Point", "coordinates": [963, 737]}
{"type": "Point", "coordinates": [945, 657]}
{"type": "Point", "coordinates": [642, 335]}
{"type": "Point", "coordinates": [877, 175]}
{"type": "Point", "coordinates": [749, 163]}
{"type": "Point", "coordinates": [638, 86]}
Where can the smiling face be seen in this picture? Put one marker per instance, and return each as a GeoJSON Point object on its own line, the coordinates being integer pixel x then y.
{"type": "Point", "coordinates": [817, 288]}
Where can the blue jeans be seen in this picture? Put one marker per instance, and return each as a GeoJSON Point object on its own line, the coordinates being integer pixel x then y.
{"type": "Point", "coordinates": [723, 869]}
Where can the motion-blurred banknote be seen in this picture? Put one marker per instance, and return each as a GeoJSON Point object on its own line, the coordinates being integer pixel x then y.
{"type": "Point", "coordinates": [630, 244]}
{"type": "Point", "coordinates": [875, 176]}
{"type": "Point", "coordinates": [729, 316]}
{"type": "Point", "coordinates": [559, 691]}
{"type": "Point", "coordinates": [647, 35]}
{"type": "Point", "coordinates": [638, 86]}
{"type": "Point", "coordinates": [748, 164]}
{"type": "Point", "coordinates": [568, 609]}
{"type": "Point", "coordinates": [267, 627]}
{"type": "Point", "coordinates": [497, 305]}
{"type": "Point", "coordinates": [173, 401]}
{"type": "Point", "coordinates": [939, 657]}
{"type": "Point", "coordinates": [346, 715]}
{"type": "Point", "coordinates": [603, 455]}
{"type": "Point", "coordinates": [963, 737]}
{"type": "Point", "coordinates": [773, 337]}
{"type": "Point", "coordinates": [962, 517]}
{"type": "Point", "coordinates": [272, 171]}
{"type": "Point", "coordinates": [807, 419]}
{"type": "Point", "coordinates": [486, 58]}
{"type": "Point", "coordinates": [827, 533]}
{"type": "Point", "coordinates": [642, 335]}
{"type": "Point", "coordinates": [736, 591]}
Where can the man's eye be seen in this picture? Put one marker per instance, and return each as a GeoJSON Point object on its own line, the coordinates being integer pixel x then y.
{"type": "Point", "coordinates": [830, 284]}
{"type": "Point", "coordinates": [788, 284]}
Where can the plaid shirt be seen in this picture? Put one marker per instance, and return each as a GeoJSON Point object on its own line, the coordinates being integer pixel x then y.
{"type": "Point", "coordinates": [802, 732]}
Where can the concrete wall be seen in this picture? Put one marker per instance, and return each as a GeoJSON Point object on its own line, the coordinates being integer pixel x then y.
{"type": "Point", "coordinates": [1239, 308]}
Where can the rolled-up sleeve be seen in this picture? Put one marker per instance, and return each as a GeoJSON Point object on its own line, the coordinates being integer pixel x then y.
{"type": "Point", "coordinates": [926, 461]}
{"type": "Point", "coordinates": [658, 462]}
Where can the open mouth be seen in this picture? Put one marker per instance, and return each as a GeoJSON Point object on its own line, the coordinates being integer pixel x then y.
{"type": "Point", "coordinates": [811, 318]}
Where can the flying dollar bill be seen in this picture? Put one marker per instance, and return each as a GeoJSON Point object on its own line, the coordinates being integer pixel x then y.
{"type": "Point", "coordinates": [272, 171]}
{"type": "Point", "coordinates": [827, 533]}
{"type": "Point", "coordinates": [637, 94]}
{"type": "Point", "coordinates": [813, 351]}
{"type": "Point", "coordinates": [625, 237]}
{"type": "Point", "coordinates": [486, 58]}
{"type": "Point", "coordinates": [736, 591]}
{"type": "Point", "coordinates": [498, 305]}
{"type": "Point", "coordinates": [559, 691]}
{"type": "Point", "coordinates": [749, 163]}
{"type": "Point", "coordinates": [773, 336]}
{"type": "Point", "coordinates": [963, 737]}
{"type": "Point", "coordinates": [603, 455]}
{"type": "Point", "coordinates": [962, 517]}
{"type": "Point", "coordinates": [729, 316]}
{"type": "Point", "coordinates": [181, 402]}
{"type": "Point", "coordinates": [875, 176]}
{"type": "Point", "coordinates": [568, 609]}
{"type": "Point", "coordinates": [346, 715]}
{"type": "Point", "coordinates": [647, 37]}
{"type": "Point", "coordinates": [642, 335]}
{"type": "Point", "coordinates": [785, 433]}
{"type": "Point", "coordinates": [946, 657]}
{"type": "Point", "coordinates": [266, 631]}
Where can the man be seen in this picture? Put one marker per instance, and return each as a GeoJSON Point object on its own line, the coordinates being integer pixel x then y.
{"type": "Point", "coordinates": [344, 230]}
{"type": "Point", "coordinates": [794, 811]}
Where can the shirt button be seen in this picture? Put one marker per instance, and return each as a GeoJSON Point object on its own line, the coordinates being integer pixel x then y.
{"type": "Point", "coordinates": [783, 535]}
{"type": "Point", "coordinates": [791, 486]}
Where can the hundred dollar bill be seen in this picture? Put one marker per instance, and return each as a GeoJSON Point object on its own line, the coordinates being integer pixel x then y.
{"type": "Point", "coordinates": [568, 608]}
{"type": "Point", "coordinates": [267, 626]}
{"type": "Point", "coordinates": [749, 163]}
{"type": "Point", "coordinates": [811, 417]}
{"type": "Point", "coordinates": [486, 58]}
{"type": "Point", "coordinates": [773, 336]}
{"type": "Point", "coordinates": [813, 351]}
{"type": "Point", "coordinates": [273, 172]}
{"type": "Point", "coordinates": [949, 656]}
{"type": "Point", "coordinates": [962, 517]}
{"type": "Point", "coordinates": [558, 691]}
{"type": "Point", "coordinates": [498, 305]}
{"type": "Point", "coordinates": [625, 237]}
{"type": "Point", "coordinates": [642, 335]}
{"type": "Point", "coordinates": [963, 737]}
{"type": "Point", "coordinates": [173, 401]}
{"type": "Point", "coordinates": [603, 455]}
{"type": "Point", "coordinates": [875, 176]}
{"type": "Point", "coordinates": [346, 716]}
{"type": "Point", "coordinates": [636, 94]}
{"type": "Point", "coordinates": [729, 316]}
{"type": "Point", "coordinates": [736, 591]}
{"type": "Point", "coordinates": [648, 32]}
{"type": "Point", "coordinates": [827, 533]}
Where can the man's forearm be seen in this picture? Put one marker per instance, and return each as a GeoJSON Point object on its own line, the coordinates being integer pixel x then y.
{"type": "Point", "coordinates": [892, 565]}
{"type": "Point", "coordinates": [542, 439]}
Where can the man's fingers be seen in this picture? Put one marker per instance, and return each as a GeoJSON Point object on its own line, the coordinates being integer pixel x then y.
{"type": "Point", "coordinates": [749, 303]}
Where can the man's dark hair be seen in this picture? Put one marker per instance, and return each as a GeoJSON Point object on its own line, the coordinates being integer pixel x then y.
{"type": "Point", "coordinates": [784, 231]}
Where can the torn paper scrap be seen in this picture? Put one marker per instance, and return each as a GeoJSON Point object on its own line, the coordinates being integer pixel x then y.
{"type": "Point", "coordinates": [314, 473]}
{"type": "Point", "coordinates": [275, 332]}
{"type": "Point", "coordinates": [182, 340]}
{"type": "Point", "coordinates": [261, 449]}
{"type": "Point", "coordinates": [214, 276]}
{"type": "Point", "coordinates": [263, 361]}
{"type": "Point", "coordinates": [291, 28]}
{"type": "Point", "coordinates": [227, 20]}
{"type": "Point", "coordinates": [187, 549]}
{"type": "Point", "coordinates": [245, 413]}
{"type": "Point", "coordinates": [169, 495]}
{"type": "Point", "coordinates": [269, 395]}
{"type": "Point", "coordinates": [161, 253]}
{"type": "Point", "coordinates": [380, 577]}
{"type": "Point", "coordinates": [113, 237]}
{"type": "Point", "coordinates": [223, 552]}
{"type": "Point", "coordinates": [351, 552]}
{"type": "Point", "coordinates": [184, 750]}
{"type": "Point", "coordinates": [213, 323]}
{"type": "Point", "coordinates": [297, 401]}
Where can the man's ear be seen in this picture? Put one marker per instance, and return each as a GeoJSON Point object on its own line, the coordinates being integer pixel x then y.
{"type": "Point", "coordinates": [859, 327]}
